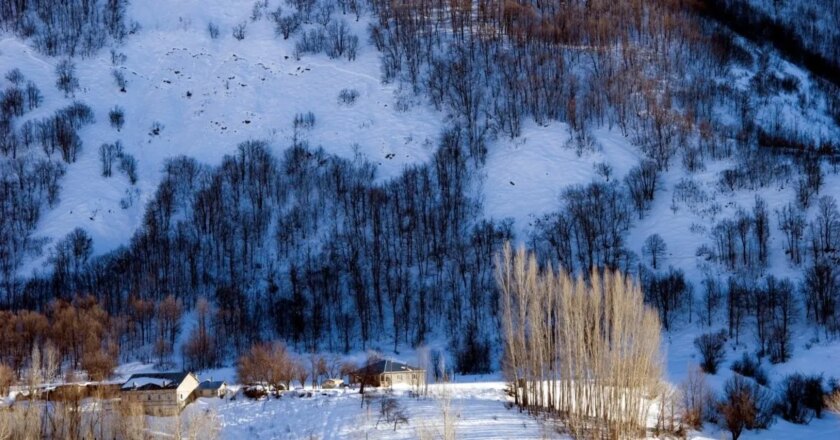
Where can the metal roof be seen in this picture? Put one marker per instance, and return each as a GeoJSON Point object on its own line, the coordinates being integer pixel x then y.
{"type": "Point", "coordinates": [152, 381]}
{"type": "Point", "coordinates": [386, 366]}
{"type": "Point", "coordinates": [211, 385]}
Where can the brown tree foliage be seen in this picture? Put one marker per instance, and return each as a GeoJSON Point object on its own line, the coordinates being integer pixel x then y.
{"type": "Point", "coordinates": [268, 364]}
{"type": "Point", "coordinates": [745, 405]}
{"type": "Point", "coordinates": [75, 333]}
{"type": "Point", "coordinates": [7, 377]}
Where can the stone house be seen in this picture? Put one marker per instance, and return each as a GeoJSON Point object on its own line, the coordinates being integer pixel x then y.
{"type": "Point", "coordinates": [161, 394]}
{"type": "Point", "coordinates": [386, 373]}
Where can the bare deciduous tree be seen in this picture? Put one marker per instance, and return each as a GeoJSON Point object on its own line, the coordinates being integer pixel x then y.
{"type": "Point", "coordinates": [696, 397]}
{"type": "Point", "coordinates": [655, 249]}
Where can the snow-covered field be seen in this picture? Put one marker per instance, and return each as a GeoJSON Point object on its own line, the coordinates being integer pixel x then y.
{"type": "Point", "coordinates": [478, 410]}
{"type": "Point", "coordinates": [478, 406]}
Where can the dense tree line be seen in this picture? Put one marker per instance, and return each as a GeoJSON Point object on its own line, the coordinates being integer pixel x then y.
{"type": "Point", "coordinates": [585, 63]}
{"type": "Point", "coordinates": [307, 247]}
{"type": "Point", "coordinates": [69, 336]}
{"type": "Point", "coordinates": [804, 31]}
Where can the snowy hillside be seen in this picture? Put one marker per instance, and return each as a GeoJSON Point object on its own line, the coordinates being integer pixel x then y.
{"type": "Point", "coordinates": [187, 180]}
{"type": "Point", "coordinates": [209, 95]}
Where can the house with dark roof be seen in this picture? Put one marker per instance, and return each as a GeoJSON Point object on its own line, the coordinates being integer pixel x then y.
{"type": "Point", "coordinates": [386, 373]}
{"type": "Point", "coordinates": [211, 388]}
{"type": "Point", "coordinates": [161, 394]}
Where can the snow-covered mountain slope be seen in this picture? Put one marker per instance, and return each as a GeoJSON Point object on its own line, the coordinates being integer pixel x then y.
{"type": "Point", "coordinates": [209, 95]}
{"type": "Point", "coordinates": [199, 96]}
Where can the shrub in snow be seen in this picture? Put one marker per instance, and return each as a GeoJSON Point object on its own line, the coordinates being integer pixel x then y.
{"type": "Point", "coordinates": [108, 154]}
{"type": "Point", "coordinates": [311, 42]}
{"type": "Point", "coordinates": [348, 96]}
{"type": "Point", "coordinates": [128, 165]}
{"type": "Point", "coordinates": [14, 76]}
{"type": "Point", "coordinates": [127, 201]}
{"type": "Point", "coordinates": [304, 121]}
{"type": "Point", "coordinates": [335, 40]}
{"type": "Point", "coordinates": [390, 411]}
{"type": "Point", "coordinates": [66, 80]}
{"type": "Point", "coordinates": [287, 25]}
{"type": "Point", "coordinates": [799, 398]}
{"type": "Point", "coordinates": [711, 347]}
{"type": "Point", "coordinates": [696, 398]}
{"type": "Point", "coordinates": [119, 79]}
{"type": "Point", "coordinates": [77, 114]}
{"type": "Point", "coordinates": [33, 96]}
{"type": "Point", "coordinates": [59, 131]}
{"type": "Point", "coordinates": [745, 405]}
{"type": "Point", "coordinates": [669, 293]}
{"type": "Point", "coordinates": [748, 366]}
{"type": "Point", "coordinates": [239, 31]}
{"type": "Point", "coordinates": [340, 41]}
{"type": "Point", "coordinates": [832, 399]}
{"type": "Point", "coordinates": [12, 103]}
{"type": "Point", "coordinates": [815, 394]}
{"type": "Point", "coordinates": [604, 170]}
{"type": "Point", "coordinates": [118, 58]}
{"type": "Point", "coordinates": [255, 393]}
{"type": "Point", "coordinates": [473, 352]}
{"type": "Point", "coordinates": [213, 30]}
{"type": "Point", "coordinates": [257, 9]}
{"type": "Point", "coordinates": [157, 127]}
{"type": "Point", "coordinates": [117, 117]}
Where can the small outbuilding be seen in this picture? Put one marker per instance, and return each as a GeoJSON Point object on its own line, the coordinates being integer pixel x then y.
{"type": "Point", "coordinates": [386, 373]}
{"type": "Point", "coordinates": [211, 388]}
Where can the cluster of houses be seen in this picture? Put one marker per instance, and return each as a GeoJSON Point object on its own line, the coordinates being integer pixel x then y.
{"type": "Point", "coordinates": [166, 394]}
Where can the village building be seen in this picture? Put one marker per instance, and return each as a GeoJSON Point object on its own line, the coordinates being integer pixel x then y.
{"type": "Point", "coordinates": [211, 388]}
{"type": "Point", "coordinates": [332, 383]}
{"type": "Point", "coordinates": [386, 373]}
{"type": "Point", "coordinates": [161, 394]}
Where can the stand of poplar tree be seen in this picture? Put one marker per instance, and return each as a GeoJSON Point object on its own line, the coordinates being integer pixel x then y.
{"type": "Point", "coordinates": [586, 351]}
